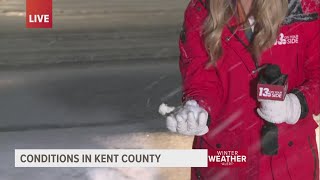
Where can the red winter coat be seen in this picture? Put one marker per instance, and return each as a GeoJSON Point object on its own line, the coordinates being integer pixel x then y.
{"type": "Point", "coordinates": [227, 93]}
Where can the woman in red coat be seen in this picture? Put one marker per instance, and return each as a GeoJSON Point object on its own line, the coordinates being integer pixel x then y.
{"type": "Point", "coordinates": [223, 46]}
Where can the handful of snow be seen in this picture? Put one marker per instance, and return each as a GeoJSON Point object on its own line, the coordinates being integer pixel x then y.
{"type": "Point", "coordinates": [164, 109]}
{"type": "Point", "coordinates": [189, 106]}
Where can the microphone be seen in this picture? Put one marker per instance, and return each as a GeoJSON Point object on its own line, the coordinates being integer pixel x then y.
{"type": "Point", "coordinates": [272, 85]}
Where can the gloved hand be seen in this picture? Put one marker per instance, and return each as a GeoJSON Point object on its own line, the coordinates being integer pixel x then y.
{"type": "Point", "coordinates": [190, 120]}
{"type": "Point", "coordinates": [287, 111]}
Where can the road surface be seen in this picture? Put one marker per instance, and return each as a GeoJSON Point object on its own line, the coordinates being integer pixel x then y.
{"type": "Point", "coordinates": [87, 106]}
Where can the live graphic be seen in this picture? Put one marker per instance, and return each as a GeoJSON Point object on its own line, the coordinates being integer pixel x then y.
{"type": "Point", "coordinates": [39, 14]}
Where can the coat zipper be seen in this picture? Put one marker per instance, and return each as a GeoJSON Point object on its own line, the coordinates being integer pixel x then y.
{"type": "Point", "coordinates": [233, 31]}
{"type": "Point", "coordinates": [314, 158]}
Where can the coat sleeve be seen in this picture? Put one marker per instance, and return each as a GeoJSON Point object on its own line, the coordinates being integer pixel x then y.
{"type": "Point", "coordinates": [309, 91]}
{"type": "Point", "coordinates": [199, 83]}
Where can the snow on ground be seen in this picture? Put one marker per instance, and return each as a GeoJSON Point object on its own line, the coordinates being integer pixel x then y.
{"type": "Point", "coordinates": [93, 138]}
{"type": "Point", "coordinates": [144, 141]}
{"type": "Point", "coordinates": [87, 107]}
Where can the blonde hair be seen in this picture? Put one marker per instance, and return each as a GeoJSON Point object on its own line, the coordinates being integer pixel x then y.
{"type": "Point", "coordinates": [268, 15]}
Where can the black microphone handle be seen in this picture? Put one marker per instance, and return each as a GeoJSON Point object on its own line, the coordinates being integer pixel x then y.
{"type": "Point", "coordinates": [270, 145]}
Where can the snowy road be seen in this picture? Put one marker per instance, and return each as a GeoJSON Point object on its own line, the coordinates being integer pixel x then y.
{"type": "Point", "coordinates": [92, 31]}
{"type": "Point", "coordinates": [87, 106]}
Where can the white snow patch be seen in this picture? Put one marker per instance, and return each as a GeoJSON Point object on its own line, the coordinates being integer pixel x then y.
{"type": "Point", "coordinates": [122, 173]}
{"type": "Point", "coordinates": [15, 13]}
{"type": "Point", "coordinates": [164, 109]}
{"type": "Point", "coordinates": [141, 141]}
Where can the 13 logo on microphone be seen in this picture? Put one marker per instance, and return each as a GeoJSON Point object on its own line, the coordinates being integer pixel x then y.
{"type": "Point", "coordinates": [39, 13]}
